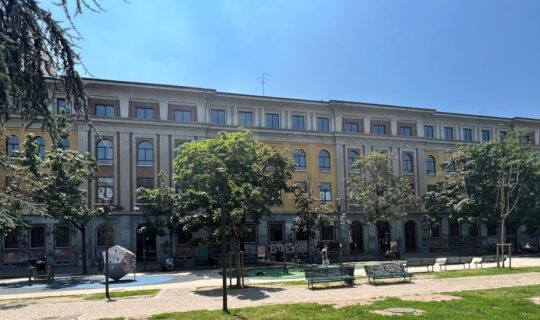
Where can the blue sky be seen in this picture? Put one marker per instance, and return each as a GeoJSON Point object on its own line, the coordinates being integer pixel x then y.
{"type": "Point", "coordinates": [480, 57]}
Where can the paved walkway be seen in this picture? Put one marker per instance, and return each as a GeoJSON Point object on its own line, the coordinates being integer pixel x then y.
{"type": "Point", "coordinates": [172, 299]}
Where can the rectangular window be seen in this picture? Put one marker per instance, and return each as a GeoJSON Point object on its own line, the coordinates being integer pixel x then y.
{"type": "Point", "coordinates": [502, 135]}
{"type": "Point", "coordinates": [436, 231]}
{"type": "Point", "coordinates": [327, 233]}
{"type": "Point", "coordinates": [467, 134]}
{"type": "Point", "coordinates": [492, 230]}
{"type": "Point", "coordinates": [323, 124]}
{"type": "Point", "coordinates": [61, 105]}
{"type": "Point", "coordinates": [405, 131]}
{"type": "Point", "coordinates": [448, 133]}
{"type": "Point", "coordinates": [351, 127]}
{"type": "Point", "coordinates": [428, 132]}
{"type": "Point", "coordinates": [486, 135]}
{"type": "Point", "coordinates": [431, 187]}
{"type": "Point", "coordinates": [275, 232]}
{"type": "Point", "coordinates": [182, 115]}
{"type": "Point", "coordinates": [104, 110]}
{"type": "Point", "coordinates": [105, 189]}
{"type": "Point", "coordinates": [379, 129]}
{"type": "Point", "coordinates": [301, 235]}
{"type": "Point", "coordinates": [302, 185]}
{"type": "Point", "coordinates": [251, 236]}
{"type": "Point", "coordinates": [217, 116]}
{"type": "Point", "coordinates": [298, 123]}
{"type": "Point", "coordinates": [37, 237]}
{"type": "Point", "coordinates": [11, 240]}
{"type": "Point", "coordinates": [527, 139]}
{"type": "Point", "coordinates": [325, 192]}
{"type": "Point", "coordinates": [147, 183]}
{"type": "Point", "coordinates": [62, 237]}
{"type": "Point", "coordinates": [245, 119]}
{"type": "Point", "coordinates": [144, 113]}
{"type": "Point", "coordinates": [272, 120]}
{"type": "Point", "coordinates": [454, 229]}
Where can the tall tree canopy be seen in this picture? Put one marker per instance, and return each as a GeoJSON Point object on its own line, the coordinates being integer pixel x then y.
{"type": "Point", "coordinates": [37, 58]}
{"type": "Point", "coordinates": [256, 176]}
{"type": "Point", "coordinates": [381, 194]}
{"type": "Point", "coordinates": [494, 181]}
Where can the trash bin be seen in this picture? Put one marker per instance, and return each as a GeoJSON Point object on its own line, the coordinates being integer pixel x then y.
{"type": "Point", "coordinates": [349, 269]}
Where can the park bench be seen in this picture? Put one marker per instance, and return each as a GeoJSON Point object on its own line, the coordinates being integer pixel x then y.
{"type": "Point", "coordinates": [420, 262]}
{"type": "Point", "coordinates": [387, 271]}
{"type": "Point", "coordinates": [488, 259]}
{"type": "Point", "coordinates": [327, 274]}
{"type": "Point", "coordinates": [452, 261]}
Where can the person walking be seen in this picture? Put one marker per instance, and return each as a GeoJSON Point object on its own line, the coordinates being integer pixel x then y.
{"type": "Point", "coordinates": [324, 256]}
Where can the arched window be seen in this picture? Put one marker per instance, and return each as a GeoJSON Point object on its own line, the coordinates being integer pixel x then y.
{"type": "Point", "coordinates": [12, 144]}
{"type": "Point", "coordinates": [324, 160]}
{"type": "Point", "coordinates": [105, 236]}
{"type": "Point", "coordinates": [145, 154]}
{"type": "Point", "coordinates": [64, 144]}
{"type": "Point", "coordinates": [300, 159]}
{"type": "Point", "coordinates": [352, 156]}
{"type": "Point", "coordinates": [430, 165]}
{"type": "Point", "coordinates": [407, 163]}
{"type": "Point", "coordinates": [41, 146]}
{"type": "Point", "coordinates": [177, 148]}
{"type": "Point", "coordinates": [105, 152]}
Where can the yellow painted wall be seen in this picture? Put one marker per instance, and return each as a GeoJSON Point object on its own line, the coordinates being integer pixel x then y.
{"type": "Point", "coordinates": [312, 170]}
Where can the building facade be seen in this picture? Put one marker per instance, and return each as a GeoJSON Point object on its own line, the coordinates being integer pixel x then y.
{"type": "Point", "coordinates": [140, 126]}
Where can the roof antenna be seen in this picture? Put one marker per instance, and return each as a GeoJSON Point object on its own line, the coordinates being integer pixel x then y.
{"type": "Point", "coordinates": [263, 80]}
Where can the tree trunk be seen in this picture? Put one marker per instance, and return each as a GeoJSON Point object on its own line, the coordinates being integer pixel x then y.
{"type": "Point", "coordinates": [170, 243]}
{"type": "Point", "coordinates": [83, 242]}
{"type": "Point", "coordinates": [503, 231]}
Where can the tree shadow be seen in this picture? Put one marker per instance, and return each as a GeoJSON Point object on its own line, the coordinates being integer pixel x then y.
{"type": "Point", "coordinates": [390, 283]}
{"type": "Point", "coordinates": [247, 293]}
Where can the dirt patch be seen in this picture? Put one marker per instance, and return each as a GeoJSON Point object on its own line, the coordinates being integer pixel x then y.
{"type": "Point", "coordinates": [399, 312]}
{"type": "Point", "coordinates": [430, 297]}
{"type": "Point", "coordinates": [346, 303]}
{"type": "Point", "coordinates": [536, 300]}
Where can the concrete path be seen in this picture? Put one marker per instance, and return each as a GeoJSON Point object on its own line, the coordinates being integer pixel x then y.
{"type": "Point", "coordinates": [172, 299]}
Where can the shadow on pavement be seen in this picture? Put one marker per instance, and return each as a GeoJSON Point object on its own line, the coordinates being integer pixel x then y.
{"type": "Point", "coordinates": [249, 293]}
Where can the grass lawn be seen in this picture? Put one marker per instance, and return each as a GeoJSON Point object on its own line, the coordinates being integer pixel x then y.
{"type": "Point", "coordinates": [497, 304]}
{"type": "Point", "coordinates": [122, 294]}
{"type": "Point", "coordinates": [483, 272]}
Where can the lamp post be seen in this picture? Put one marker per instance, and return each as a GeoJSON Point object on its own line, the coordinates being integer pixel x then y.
{"type": "Point", "coordinates": [142, 231]}
{"type": "Point", "coordinates": [339, 207]}
{"type": "Point", "coordinates": [355, 233]}
{"type": "Point", "coordinates": [107, 244]}
{"type": "Point", "coordinates": [222, 172]}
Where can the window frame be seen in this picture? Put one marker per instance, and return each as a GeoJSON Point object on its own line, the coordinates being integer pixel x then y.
{"type": "Point", "coordinates": [325, 195]}
{"type": "Point", "coordinates": [41, 146]}
{"type": "Point", "coordinates": [218, 116]}
{"type": "Point", "coordinates": [375, 129]}
{"type": "Point", "coordinates": [61, 104]}
{"type": "Point", "coordinates": [467, 134]}
{"type": "Point", "coordinates": [67, 233]}
{"type": "Point", "coordinates": [407, 158]}
{"type": "Point", "coordinates": [325, 230]}
{"type": "Point", "coordinates": [105, 184]}
{"type": "Point", "coordinates": [300, 156]}
{"type": "Point", "coordinates": [100, 234]}
{"type": "Point", "coordinates": [431, 159]}
{"type": "Point", "coordinates": [405, 131]}
{"type": "Point", "coordinates": [106, 108]}
{"type": "Point", "coordinates": [182, 114]}
{"type": "Point", "coordinates": [243, 119]}
{"type": "Point", "coordinates": [448, 133]}
{"type": "Point", "coordinates": [350, 125]}
{"type": "Point", "coordinates": [350, 165]}
{"type": "Point", "coordinates": [270, 120]}
{"type": "Point", "coordinates": [429, 129]}
{"type": "Point", "coordinates": [11, 146]}
{"type": "Point", "coordinates": [324, 159]}
{"type": "Point", "coordinates": [295, 119]}
{"type": "Point", "coordinates": [271, 234]}
{"type": "Point", "coordinates": [102, 149]}
{"type": "Point", "coordinates": [145, 111]}
{"type": "Point", "coordinates": [147, 151]}
{"type": "Point", "coordinates": [484, 132]}
{"type": "Point", "coordinates": [31, 236]}
{"type": "Point", "coordinates": [323, 124]}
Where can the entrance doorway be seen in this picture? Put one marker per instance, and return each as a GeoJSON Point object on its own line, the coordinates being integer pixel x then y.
{"type": "Point", "coordinates": [356, 237]}
{"type": "Point", "coordinates": [410, 236]}
{"type": "Point", "coordinates": [146, 244]}
{"type": "Point", "coordinates": [383, 236]}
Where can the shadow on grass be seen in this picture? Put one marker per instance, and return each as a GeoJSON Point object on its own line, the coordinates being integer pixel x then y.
{"type": "Point", "coordinates": [389, 283]}
{"type": "Point", "coordinates": [247, 293]}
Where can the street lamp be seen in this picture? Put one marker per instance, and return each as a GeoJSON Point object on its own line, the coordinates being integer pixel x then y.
{"type": "Point", "coordinates": [142, 231]}
{"type": "Point", "coordinates": [339, 207]}
{"type": "Point", "coordinates": [222, 172]}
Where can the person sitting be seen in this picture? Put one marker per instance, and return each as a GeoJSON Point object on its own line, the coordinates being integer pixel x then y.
{"type": "Point", "coordinates": [169, 264]}
{"type": "Point", "coordinates": [279, 256]}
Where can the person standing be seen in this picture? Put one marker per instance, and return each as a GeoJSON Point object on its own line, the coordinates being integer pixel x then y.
{"type": "Point", "coordinates": [324, 256]}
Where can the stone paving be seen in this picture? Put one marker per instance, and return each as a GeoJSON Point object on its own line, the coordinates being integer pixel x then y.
{"type": "Point", "coordinates": [191, 295]}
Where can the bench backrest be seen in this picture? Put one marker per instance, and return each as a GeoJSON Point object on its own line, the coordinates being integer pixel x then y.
{"type": "Point", "coordinates": [313, 272]}
{"type": "Point", "coordinates": [453, 260]}
{"type": "Point", "coordinates": [414, 262]}
{"type": "Point", "coordinates": [465, 259]}
{"type": "Point", "coordinates": [393, 268]}
{"type": "Point", "coordinates": [429, 261]}
{"type": "Point", "coordinates": [374, 270]}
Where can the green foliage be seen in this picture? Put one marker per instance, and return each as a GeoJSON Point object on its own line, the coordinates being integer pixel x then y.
{"type": "Point", "coordinates": [494, 181]}
{"type": "Point", "coordinates": [160, 208]}
{"type": "Point", "coordinates": [256, 176]}
{"type": "Point", "coordinates": [380, 194]}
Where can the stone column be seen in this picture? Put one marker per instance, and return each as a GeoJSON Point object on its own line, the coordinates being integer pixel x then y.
{"type": "Point", "coordinates": [393, 127]}
{"type": "Point", "coordinates": [163, 110]}
{"type": "Point", "coordinates": [421, 171]}
{"type": "Point", "coordinates": [124, 107]}
{"type": "Point", "coordinates": [125, 173]}
{"type": "Point", "coordinates": [367, 124]}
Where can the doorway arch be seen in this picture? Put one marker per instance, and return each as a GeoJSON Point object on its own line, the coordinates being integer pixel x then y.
{"type": "Point", "coordinates": [146, 244]}
{"type": "Point", "coordinates": [356, 237]}
{"type": "Point", "coordinates": [410, 236]}
{"type": "Point", "coordinates": [383, 236]}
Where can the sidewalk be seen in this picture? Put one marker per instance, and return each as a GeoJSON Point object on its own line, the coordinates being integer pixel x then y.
{"type": "Point", "coordinates": [172, 299]}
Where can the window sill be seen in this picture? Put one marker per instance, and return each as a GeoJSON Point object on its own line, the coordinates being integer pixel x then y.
{"type": "Point", "coordinates": [105, 164]}
{"type": "Point", "coordinates": [145, 165]}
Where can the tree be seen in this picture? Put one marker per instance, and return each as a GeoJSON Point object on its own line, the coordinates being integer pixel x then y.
{"type": "Point", "coordinates": [159, 204]}
{"type": "Point", "coordinates": [63, 196]}
{"type": "Point", "coordinates": [495, 181]}
{"type": "Point", "coordinates": [256, 176]}
{"type": "Point", "coordinates": [311, 216]}
{"type": "Point", "coordinates": [377, 191]}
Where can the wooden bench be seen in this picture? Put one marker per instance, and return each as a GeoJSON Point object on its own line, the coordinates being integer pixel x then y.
{"type": "Point", "coordinates": [387, 271]}
{"type": "Point", "coordinates": [420, 262]}
{"type": "Point", "coordinates": [488, 259]}
{"type": "Point", "coordinates": [452, 261]}
{"type": "Point", "coordinates": [327, 274]}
